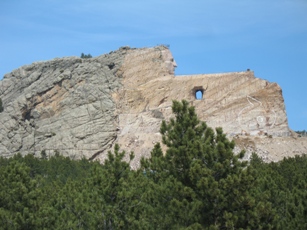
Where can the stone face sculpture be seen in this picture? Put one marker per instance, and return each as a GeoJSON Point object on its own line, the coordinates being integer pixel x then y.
{"type": "Point", "coordinates": [169, 61]}
{"type": "Point", "coordinates": [82, 107]}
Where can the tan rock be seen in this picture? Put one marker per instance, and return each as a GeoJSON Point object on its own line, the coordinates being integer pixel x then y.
{"type": "Point", "coordinates": [82, 107]}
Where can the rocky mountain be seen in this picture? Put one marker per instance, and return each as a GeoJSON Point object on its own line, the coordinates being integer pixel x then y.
{"type": "Point", "coordinates": [82, 107]}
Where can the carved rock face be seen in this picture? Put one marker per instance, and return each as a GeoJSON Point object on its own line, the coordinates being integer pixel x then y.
{"type": "Point", "coordinates": [82, 107]}
{"type": "Point", "coordinates": [169, 61]}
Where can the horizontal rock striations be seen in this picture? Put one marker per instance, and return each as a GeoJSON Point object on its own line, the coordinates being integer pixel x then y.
{"type": "Point", "coordinates": [82, 107]}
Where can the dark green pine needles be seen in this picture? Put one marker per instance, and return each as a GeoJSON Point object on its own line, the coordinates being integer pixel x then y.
{"type": "Point", "coordinates": [197, 183]}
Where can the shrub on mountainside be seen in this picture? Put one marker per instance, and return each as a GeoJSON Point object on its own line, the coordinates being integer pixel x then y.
{"type": "Point", "coordinates": [86, 55]}
{"type": "Point", "coordinates": [1, 106]}
{"type": "Point", "coordinates": [302, 133]}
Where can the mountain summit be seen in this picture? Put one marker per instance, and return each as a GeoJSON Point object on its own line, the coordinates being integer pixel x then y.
{"type": "Point", "coordinates": [83, 106]}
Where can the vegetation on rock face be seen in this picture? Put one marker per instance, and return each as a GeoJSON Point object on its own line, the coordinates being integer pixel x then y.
{"type": "Point", "coordinates": [86, 55]}
{"type": "Point", "coordinates": [1, 106]}
{"type": "Point", "coordinates": [198, 183]}
{"type": "Point", "coordinates": [302, 133]}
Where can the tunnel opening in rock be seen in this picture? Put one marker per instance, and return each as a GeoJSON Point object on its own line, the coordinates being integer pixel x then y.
{"type": "Point", "coordinates": [198, 92]}
{"type": "Point", "coordinates": [199, 95]}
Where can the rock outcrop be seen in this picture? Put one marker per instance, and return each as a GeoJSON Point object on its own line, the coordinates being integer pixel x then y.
{"type": "Point", "coordinates": [82, 107]}
{"type": "Point", "coordinates": [65, 104]}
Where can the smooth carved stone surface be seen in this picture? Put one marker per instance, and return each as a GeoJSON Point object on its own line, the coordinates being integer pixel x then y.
{"type": "Point", "coordinates": [82, 107]}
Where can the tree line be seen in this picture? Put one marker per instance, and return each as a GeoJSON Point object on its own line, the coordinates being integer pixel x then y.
{"type": "Point", "coordinates": [302, 133]}
{"type": "Point", "coordinates": [86, 55]}
{"type": "Point", "coordinates": [198, 183]}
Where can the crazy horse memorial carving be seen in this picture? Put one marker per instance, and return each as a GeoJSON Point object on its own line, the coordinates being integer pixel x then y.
{"type": "Point", "coordinates": [82, 107]}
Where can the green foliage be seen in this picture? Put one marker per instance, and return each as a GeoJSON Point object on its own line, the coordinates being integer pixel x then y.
{"type": "Point", "coordinates": [43, 154]}
{"type": "Point", "coordinates": [302, 133]}
{"type": "Point", "coordinates": [197, 183]}
{"type": "Point", "coordinates": [86, 55]}
{"type": "Point", "coordinates": [210, 185]}
{"type": "Point", "coordinates": [286, 184]}
{"type": "Point", "coordinates": [18, 197]}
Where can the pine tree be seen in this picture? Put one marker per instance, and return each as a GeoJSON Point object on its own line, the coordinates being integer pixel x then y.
{"type": "Point", "coordinates": [284, 183]}
{"type": "Point", "coordinates": [18, 197]}
{"type": "Point", "coordinates": [212, 187]}
{"type": "Point", "coordinates": [86, 55]}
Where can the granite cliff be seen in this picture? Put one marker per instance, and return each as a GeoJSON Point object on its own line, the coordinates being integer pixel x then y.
{"type": "Point", "coordinates": [82, 107]}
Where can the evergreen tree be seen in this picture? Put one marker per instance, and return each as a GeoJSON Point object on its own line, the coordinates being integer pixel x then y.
{"type": "Point", "coordinates": [86, 55]}
{"type": "Point", "coordinates": [18, 197]}
{"type": "Point", "coordinates": [198, 183]}
{"type": "Point", "coordinates": [211, 186]}
{"type": "Point", "coordinates": [284, 183]}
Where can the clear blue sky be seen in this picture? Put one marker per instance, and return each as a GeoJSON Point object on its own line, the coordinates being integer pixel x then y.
{"type": "Point", "coordinates": [205, 36]}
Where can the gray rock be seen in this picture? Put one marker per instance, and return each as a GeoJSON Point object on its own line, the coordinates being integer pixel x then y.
{"type": "Point", "coordinates": [64, 104]}
{"type": "Point", "coordinates": [82, 107]}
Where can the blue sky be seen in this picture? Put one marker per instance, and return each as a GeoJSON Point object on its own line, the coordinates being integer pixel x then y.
{"type": "Point", "coordinates": [205, 36]}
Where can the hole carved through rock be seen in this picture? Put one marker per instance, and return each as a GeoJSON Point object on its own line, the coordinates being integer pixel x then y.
{"type": "Point", "coordinates": [198, 92]}
{"type": "Point", "coordinates": [199, 95]}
